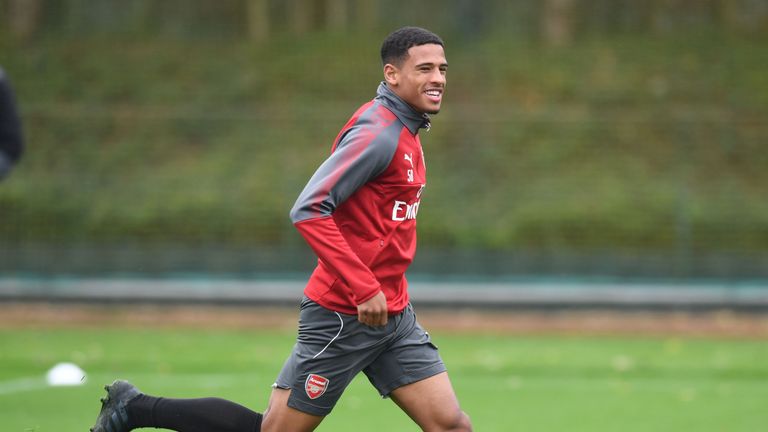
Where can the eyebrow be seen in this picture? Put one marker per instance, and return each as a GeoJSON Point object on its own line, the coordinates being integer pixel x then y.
{"type": "Point", "coordinates": [430, 64]}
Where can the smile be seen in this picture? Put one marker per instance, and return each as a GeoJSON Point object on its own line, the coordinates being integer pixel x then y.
{"type": "Point", "coordinates": [434, 94]}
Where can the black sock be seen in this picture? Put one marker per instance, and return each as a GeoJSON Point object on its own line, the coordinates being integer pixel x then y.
{"type": "Point", "coordinates": [191, 415]}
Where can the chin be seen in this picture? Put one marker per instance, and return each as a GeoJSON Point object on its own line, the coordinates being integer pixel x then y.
{"type": "Point", "coordinates": [429, 108]}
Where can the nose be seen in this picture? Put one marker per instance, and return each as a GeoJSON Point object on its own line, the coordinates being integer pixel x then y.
{"type": "Point", "coordinates": [437, 77]}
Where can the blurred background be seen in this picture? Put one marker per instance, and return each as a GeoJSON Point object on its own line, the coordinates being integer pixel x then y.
{"type": "Point", "coordinates": [582, 143]}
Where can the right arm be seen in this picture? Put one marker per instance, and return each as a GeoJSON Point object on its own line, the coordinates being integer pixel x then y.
{"type": "Point", "coordinates": [359, 157]}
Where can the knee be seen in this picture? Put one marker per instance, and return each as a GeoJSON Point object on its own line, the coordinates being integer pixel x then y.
{"type": "Point", "coordinates": [266, 424]}
{"type": "Point", "coordinates": [459, 422]}
{"type": "Point", "coordinates": [464, 424]}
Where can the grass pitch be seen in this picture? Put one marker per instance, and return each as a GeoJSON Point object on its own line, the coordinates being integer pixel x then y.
{"type": "Point", "coordinates": [505, 383]}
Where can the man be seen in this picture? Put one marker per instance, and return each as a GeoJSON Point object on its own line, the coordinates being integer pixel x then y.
{"type": "Point", "coordinates": [358, 214]}
{"type": "Point", "coordinates": [11, 143]}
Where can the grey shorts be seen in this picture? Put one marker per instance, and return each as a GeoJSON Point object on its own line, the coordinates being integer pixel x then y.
{"type": "Point", "coordinates": [333, 347]}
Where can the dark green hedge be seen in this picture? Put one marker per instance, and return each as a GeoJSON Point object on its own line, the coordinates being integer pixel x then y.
{"type": "Point", "coordinates": [630, 142]}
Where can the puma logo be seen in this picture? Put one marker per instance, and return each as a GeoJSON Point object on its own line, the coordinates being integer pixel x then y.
{"type": "Point", "coordinates": [409, 158]}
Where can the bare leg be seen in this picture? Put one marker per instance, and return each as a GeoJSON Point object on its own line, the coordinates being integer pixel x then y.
{"type": "Point", "coordinates": [279, 417]}
{"type": "Point", "coordinates": [432, 404]}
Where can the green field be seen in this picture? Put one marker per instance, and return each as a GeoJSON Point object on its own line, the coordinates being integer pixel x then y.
{"type": "Point", "coordinates": [505, 383]}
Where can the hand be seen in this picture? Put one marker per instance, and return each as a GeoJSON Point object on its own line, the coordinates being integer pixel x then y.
{"type": "Point", "coordinates": [374, 311]}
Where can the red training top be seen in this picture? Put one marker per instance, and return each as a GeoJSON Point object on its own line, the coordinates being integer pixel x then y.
{"type": "Point", "coordinates": [358, 211]}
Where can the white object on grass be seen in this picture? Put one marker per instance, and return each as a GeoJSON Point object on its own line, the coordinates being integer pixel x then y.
{"type": "Point", "coordinates": [65, 374]}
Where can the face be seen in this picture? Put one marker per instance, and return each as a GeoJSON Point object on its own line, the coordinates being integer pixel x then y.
{"type": "Point", "coordinates": [420, 79]}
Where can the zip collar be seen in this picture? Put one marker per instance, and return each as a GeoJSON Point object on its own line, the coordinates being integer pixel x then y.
{"type": "Point", "coordinates": [411, 118]}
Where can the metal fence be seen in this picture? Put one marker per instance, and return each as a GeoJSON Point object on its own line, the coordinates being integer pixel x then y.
{"type": "Point", "coordinates": [580, 139]}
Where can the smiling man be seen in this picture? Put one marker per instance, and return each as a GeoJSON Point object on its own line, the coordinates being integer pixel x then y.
{"type": "Point", "coordinates": [358, 213]}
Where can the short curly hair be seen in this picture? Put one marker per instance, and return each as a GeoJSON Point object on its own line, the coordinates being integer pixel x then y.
{"type": "Point", "coordinates": [394, 50]}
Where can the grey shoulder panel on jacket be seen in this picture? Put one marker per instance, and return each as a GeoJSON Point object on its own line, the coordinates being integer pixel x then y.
{"type": "Point", "coordinates": [363, 152]}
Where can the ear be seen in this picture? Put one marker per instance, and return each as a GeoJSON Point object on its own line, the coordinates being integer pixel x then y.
{"type": "Point", "coordinates": [391, 74]}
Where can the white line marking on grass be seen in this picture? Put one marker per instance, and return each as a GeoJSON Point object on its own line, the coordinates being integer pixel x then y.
{"type": "Point", "coordinates": [148, 381]}
{"type": "Point", "coordinates": [19, 385]}
{"type": "Point", "coordinates": [185, 380]}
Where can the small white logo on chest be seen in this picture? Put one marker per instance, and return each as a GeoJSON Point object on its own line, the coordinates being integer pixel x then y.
{"type": "Point", "coordinates": [409, 158]}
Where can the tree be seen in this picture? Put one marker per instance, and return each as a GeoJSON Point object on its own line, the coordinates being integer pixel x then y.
{"type": "Point", "coordinates": [300, 15]}
{"type": "Point", "coordinates": [557, 21]}
{"type": "Point", "coordinates": [336, 14]}
{"type": "Point", "coordinates": [749, 15]}
{"type": "Point", "coordinates": [366, 15]}
{"type": "Point", "coordinates": [24, 17]}
{"type": "Point", "coordinates": [258, 19]}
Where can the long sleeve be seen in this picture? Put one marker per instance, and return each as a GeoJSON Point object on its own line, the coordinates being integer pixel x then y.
{"type": "Point", "coordinates": [332, 249]}
{"type": "Point", "coordinates": [361, 153]}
